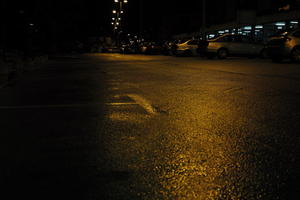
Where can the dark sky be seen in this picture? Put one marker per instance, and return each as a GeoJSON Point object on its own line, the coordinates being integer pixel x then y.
{"type": "Point", "coordinates": [91, 17]}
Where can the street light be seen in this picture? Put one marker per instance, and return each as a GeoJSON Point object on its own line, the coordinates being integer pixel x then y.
{"type": "Point", "coordinates": [203, 28]}
{"type": "Point", "coordinates": [116, 18]}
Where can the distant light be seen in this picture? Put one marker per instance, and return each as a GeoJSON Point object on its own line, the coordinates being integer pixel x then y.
{"type": "Point", "coordinates": [31, 24]}
{"type": "Point", "coordinates": [279, 27]}
{"type": "Point", "coordinates": [114, 11]}
{"type": "Point", "coordinates": [116, 1]}
{"type": "Point", "coordinates": [280, 24]}
{"type": "Point", "coordinates": [259, 26]}
{"type": "Point", "coordinates": [122, 11]}
{"type": "Point", "coordinates": [125, 1]}
{"type": "Point", "coordinates": [112, 23]}
{"type": "Point", "coordinates": [113, 18]}
{"type": "Point", "coordinates": [221, 32]}
{"type": "Point", "coordinates": [247, 28]}
{"type": "Point", "coordinates": [128, 34]}
{"type": "Point", "coordinates": [116, 27]}
{"type": "Point", "coordinates": [294, 22]}
{"type": "Point", "coordinates": [226, 31]}
{"type": "Point", "coordinates": [211, 35]}
{"type": "Point", "coordinates": [117, 23]}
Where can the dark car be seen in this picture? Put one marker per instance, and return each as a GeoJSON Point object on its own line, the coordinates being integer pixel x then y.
{"type": "Point", "coordinates": [285, 46]}
{"type": "Point", "coordinates": [130, 48]}
{"type": "Point", "coordinates": [154, 48]}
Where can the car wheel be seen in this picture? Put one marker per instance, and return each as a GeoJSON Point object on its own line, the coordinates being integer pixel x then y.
{"type": "Point", "coordinates": [295, 55]}
{"type": "Point", "coordinates": [222, 53]}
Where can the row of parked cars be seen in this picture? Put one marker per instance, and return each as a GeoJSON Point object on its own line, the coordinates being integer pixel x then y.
{"type": "Point", "coordinates": [278, 48]}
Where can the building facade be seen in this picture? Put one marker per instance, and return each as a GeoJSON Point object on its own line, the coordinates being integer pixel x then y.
{"type": "Point", "coordinates": [259, 19]}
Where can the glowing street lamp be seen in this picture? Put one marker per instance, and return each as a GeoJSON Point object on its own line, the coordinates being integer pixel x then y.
{"type": "Point", "coordinates": [116, 18]}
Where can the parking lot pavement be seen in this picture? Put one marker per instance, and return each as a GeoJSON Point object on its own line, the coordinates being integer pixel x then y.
{"type": "Point", "coordinates": [113, 126]}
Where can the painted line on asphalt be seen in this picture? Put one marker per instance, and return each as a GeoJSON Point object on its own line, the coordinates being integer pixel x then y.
{"type": "Point", "coordinates": [120, 104]}
{"type": "Point", "coordinates": [47, 106]}
{"type": "Point", "coordinates": [143, 103]}
{"type": "Point", "coordinates": [63, 106]}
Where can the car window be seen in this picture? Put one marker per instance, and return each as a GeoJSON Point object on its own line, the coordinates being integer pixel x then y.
{"type": "Point", "coordinates": [237, 38]}
{"type": "Point", "coordinates": [297, 34]}
{"type": "Point", "coordinates": [193, 42]}
{"type": "Point", "coordinates": [227, 38]}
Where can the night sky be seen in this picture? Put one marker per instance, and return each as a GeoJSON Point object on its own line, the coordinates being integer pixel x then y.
{"type": "Point", "coordinates": [93, 17]}
{"type": "Point", "coordinates": [82, 18]}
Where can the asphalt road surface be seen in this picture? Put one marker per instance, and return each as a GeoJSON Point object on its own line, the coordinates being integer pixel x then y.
{"type": "Point", "coordinates": [111, 126]}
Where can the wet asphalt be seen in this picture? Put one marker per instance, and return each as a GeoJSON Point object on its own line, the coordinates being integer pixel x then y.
{"type": "Point", "coordinates": [111, 126]}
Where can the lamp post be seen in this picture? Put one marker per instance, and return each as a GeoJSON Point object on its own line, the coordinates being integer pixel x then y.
{"type": "Point", "coordinates": [117, 17]}
{"type": "Point", "coordinates": [203, 27]}
{"type": "Point", "coordinates": [141, 18]}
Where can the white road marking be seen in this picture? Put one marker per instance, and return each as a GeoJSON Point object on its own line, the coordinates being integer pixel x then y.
{"type": "Point", "coordinates": [121, 104]}
{"type": "Point", "coordinates": [63, 106]}
{"type": "Point", "coordinates": [143, 103]}
{"type": "Point", "coordinates": [49, 106]}
{"type": "Point", "coordinates": [138, 100]}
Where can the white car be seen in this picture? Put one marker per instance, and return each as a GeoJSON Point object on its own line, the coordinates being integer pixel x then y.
{"type": "Point", "coordinates": [285, 46]}
{"type": "Point", "coordinates": [239, 45]}
{"type": "Point", "coordinates": [188, 48]}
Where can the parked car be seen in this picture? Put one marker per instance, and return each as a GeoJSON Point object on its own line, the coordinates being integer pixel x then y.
{"type": "Point", "coordinates": [143, 47]}
{"type": "Point", "coordinates": [237, 45]}
{"type": "Point", "coordinates": [188, 48]}
{"type": "Point", "coordinates": [130, 48]}
{"type": "Point", "coordinates": [171, 47]}
{"type": "Point", "coordinates": [167, 48]}
{"type": "Point", "coordinates": [285, 46]}
{"type": "Point", "coordinates": [154, 48]}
